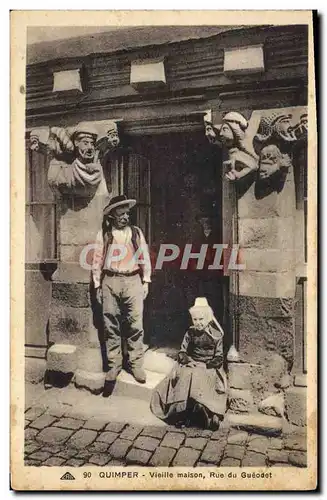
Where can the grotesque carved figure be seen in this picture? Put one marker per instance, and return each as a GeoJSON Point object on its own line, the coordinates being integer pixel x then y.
{"type": "Point", "coordinates": [112, 135]}
{"type": "Point", "coordinates": [109, 142]}
{"type": "Point", "coordinates": [272, 161]}
{"type": "Point", "coordinates": [275, 140]}
{"type": "Point", "coordinates": [34, 140]}
{"type": "Point", "coordinates": [77, 156]}
{"type": "Point", "coordinates": [242, 158]}
{"type": "Point", "coordinates": [83, 174]}
{"type": "Point", "coordinates": [211, 132]}
{"type": "Point", "coordinates": [276, 128]}
{"type": "Point", "coordinates": [301, 128]}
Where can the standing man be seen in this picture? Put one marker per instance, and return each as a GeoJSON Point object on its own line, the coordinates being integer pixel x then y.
{"type": "Point", "coordinates": [121, 273]}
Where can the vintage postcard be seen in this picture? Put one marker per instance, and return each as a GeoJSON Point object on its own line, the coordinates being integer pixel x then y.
{"type": "Point", "coordinates": [164, 240]}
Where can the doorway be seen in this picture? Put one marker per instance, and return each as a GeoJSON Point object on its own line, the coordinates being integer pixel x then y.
{"type": "Point", "coordinates": [185, 182]}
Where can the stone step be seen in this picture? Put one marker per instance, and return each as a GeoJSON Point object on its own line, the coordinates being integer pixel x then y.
{"type": "Point", "coordinates": [127, 410]}
{"type": "Point", "coordinates": [156, 365]}
{"type": "Point", "coordinates": [158, 362]}
{"type": "Point", "coordinates": [127, 386]}
{"type": "Point", "coordinates": [255, 422]}
{"type": "Point", "coordinates": [81, 404]}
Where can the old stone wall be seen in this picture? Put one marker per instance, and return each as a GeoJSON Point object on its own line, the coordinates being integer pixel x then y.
{"type": "Point", "coordinates": [263, 293]}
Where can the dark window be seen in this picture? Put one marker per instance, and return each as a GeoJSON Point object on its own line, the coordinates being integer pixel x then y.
{"type": "Point", "coordinates": [40, 214]}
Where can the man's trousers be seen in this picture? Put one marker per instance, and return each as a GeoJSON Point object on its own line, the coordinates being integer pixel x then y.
{"type": "Point", "coordinates": [123, 319]}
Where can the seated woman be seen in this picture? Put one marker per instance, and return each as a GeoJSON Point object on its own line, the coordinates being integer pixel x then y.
{"type": "Point", "coordinates": [195, 392]}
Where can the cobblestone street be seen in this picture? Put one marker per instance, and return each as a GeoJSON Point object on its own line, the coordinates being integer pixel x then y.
{"type": "Point", "coordinates": [56, 435]}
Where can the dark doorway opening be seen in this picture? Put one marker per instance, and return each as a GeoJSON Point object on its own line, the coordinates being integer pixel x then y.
{"type": "Point", "coordinates": [185, 183]}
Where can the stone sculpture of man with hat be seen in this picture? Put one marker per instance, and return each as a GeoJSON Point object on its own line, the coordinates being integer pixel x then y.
{"type": "Point", "coordinates": [81, 176]}
{"type": "Point", "coordinates": [121, 273]}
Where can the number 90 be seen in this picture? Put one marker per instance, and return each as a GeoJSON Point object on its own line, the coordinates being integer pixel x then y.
{"type": "Point", "coordinates": [87, 474]}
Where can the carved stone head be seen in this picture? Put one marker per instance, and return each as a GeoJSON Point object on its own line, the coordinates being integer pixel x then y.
{"type": "Point", "coordinates": [211, 132]}
{"type": "Point", "coordinates": [232, 131]}
{"type": "Point", "coordinates": [301, 128]}
{"type": "Point", "coordinates": [272, 161]}
{"type": "Point", "coordinates": [84, 139]}
{"type": "Point", "coordinates": [34, 140]}
{"type": "Point", "coordinates": [108, 141]}
{"type": "Point", "coordinates": [112, 136]}
{"type": "Point", "coordinates": [276, 127]}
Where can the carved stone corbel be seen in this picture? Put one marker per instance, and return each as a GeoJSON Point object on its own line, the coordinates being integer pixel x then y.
{"type": "Point", "coordinates": [232, 134]}
{"type": "Point", "coordinates": [272, 161]}
{"type": "Point", "coordinates": [77, 155]}
{"type": "Point", "coordinates": [212, 132]}
{"type": "Point", "coordinates": [275, 140]}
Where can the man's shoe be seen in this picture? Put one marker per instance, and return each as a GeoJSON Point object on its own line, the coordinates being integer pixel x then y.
{"type": "Point", "coordinates": [108, 388]}
{"type": "Point", "coordinates": [139, 375]}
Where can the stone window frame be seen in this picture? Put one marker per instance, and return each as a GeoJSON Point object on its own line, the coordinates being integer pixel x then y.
{"type": "Point", "coordinates": [39, 197]}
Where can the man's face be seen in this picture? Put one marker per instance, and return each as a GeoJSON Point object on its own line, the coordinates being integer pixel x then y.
{"type": "Point", "coordinates": [120, 217]}
{"type": "Point", "coordinates": [85, 148]}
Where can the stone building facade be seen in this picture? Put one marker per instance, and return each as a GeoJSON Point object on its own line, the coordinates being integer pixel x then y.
{"type": "Point", "coordinates": [169, 90]}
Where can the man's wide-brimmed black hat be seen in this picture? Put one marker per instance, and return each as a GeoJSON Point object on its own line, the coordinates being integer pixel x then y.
{"type": "Point", "coordinates": [118, 201]}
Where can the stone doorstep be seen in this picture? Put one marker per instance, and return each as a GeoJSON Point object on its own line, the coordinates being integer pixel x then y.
{"type": "Point", "coordinates": [127, 386]}
{"type": "Point", "coordinates": [157, 366]}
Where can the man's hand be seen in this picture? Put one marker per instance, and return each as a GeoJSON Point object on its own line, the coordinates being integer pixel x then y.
{"type": "Point", "coordinates": [145, 290]}
{"type": "Point", "coordinates": [98, 295]}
